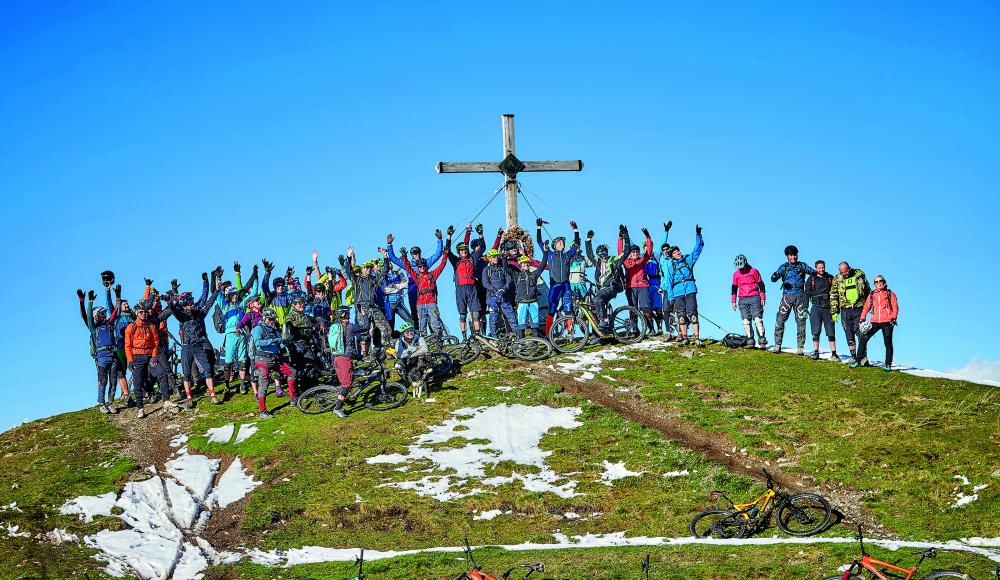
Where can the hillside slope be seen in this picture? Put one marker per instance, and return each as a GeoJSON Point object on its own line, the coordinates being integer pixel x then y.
{"type": "Point", "coordinates": [610, 446]}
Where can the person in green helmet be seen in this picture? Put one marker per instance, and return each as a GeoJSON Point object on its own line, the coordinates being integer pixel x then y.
{"type": "Point", "coordinates": [411, 351]}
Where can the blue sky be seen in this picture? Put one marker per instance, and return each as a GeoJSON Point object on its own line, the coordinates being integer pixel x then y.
{"type": "Point", "coordinates": [163, 139]}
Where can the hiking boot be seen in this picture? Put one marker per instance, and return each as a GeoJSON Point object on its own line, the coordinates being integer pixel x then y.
{"type": "Point", "coordinates": [800, 351]}
{"type": "Point", "coordinates": [130, 404]}
{"type": "Point", "coordinates": [340, 413]}
{"type": "Point", "coordinates": [293, 401]}
{"type": "Point", "coordinates": [887, 368]}
{"type": "Point", "coordinates": [682, 342]}
{"type": "Point", "coordinates": [280, 394]}
{"type": "Point", "coordinates": [834, 356]}
{"type": "Point", "coordinates": [215, 400]}
{"type": "Point", "coordinates": [190, 403]}
{"type": "Point", "coordinates": [851, 361]}
{"type": "Point", "coordinates": [142, 413]}
{"type": "Point", "coordinates": [244, 389]}
{"type": "Point", "coordinates": [698, 342]}
{"type": "Point", "coordinates": [103, 408]}
{"type": "Point", "coordinates": [265, 415]}
{"type": "Point", "coordinates": [814, 355]}
{"type": "Point", "coordinates": [170, 405]}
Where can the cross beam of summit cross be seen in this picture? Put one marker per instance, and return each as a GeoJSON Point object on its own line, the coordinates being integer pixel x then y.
{"type": "Point", "coordinates": [510, 166]}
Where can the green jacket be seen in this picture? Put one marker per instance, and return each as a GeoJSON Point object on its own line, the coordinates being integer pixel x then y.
{"type": "Point", "coordinates": [855, 284]}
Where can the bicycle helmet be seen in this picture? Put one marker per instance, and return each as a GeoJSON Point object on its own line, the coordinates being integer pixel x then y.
{"type": "Point", "coordinates": [99, 312]}
{"type": "Point", "coordinates": [602, 250]}
{"type": "Point", "coordinates": [415, 250]}
{"type": "Point", "coordinates": [231, 291]}
{"type": "Point", "coordinates": [559, 238]}
{"type": "Point", "coordinates": [142, 305]}
{"type": "Point", "coordinates": [462, 246]}
{"type": "Point", "coordinates": [298, 297]}
{"type": "Point", "coordinates": [269, 314]}
{"type": "Point", "coordinates": [186, 299]}
{"type": "Point", "coordinates": [344, 312]}
{"type": "Point", "coordinates": [492, 254]}
{"type": "Point", "coordinates": [509, 245]}
{"type": "Point", "coordinates": [405, 327]}
{"type": "Point", "coordinates": [633, 248]}
{"type": "Point", "coordinates": [421, 263]}
{"type": "Point", "coordinates": [279, 281]}
{"type": "Point", "coordinates": [791, 251]}
{"type": "Point", "coordinates": [740, 262]}
{"type": "Point", "coordinates": [524, 260]}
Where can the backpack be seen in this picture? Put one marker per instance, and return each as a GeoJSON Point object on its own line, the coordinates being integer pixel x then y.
{"type": "Point", "coordinates": [104, 337]}
{"type": "Point", "coordinates": [733, 340]}
{"type": "Point", "coordinates": [853, 291]}
{"type": "Point", "coordinates": [674, 269]}
{"type": "Point", "coordinates": [218, 320]}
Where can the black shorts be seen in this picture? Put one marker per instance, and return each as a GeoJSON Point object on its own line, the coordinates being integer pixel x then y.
{"type": "Point", "coordinates": [686, 305]}
{"type": "Point", "coordinates": [639, 297]}
{"type": "Point", "coordinates": [467, 300]}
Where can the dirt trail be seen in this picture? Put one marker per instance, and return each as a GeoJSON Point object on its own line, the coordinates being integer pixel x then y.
{"type": "Point", "coordinates": [716, 447]}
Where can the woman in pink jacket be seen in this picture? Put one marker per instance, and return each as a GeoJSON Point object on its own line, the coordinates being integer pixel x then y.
{"type": "Point", "coordinates": [884, 310]}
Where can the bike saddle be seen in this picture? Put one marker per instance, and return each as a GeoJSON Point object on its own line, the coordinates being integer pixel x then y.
{"type": "Point", "coordinates": [929, 553]}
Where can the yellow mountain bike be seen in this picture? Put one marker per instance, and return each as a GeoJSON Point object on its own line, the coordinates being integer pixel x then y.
{"type": "Point", "coordinates": [572, 331]}
{"type": "Point", "coordinates": [801, 514]}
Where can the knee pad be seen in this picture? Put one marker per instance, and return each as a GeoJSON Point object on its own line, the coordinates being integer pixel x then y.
{"type": "Point", "coordinates": [681, 319]}
{"type": "Point", "coordinates": [694, 319]}
{"type": "Point", "coordinates": [461, 318]}
{"type": "Point", "coordinates": [746, 327]}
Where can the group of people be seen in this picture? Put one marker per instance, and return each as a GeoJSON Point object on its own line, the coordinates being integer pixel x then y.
{"type": "Point", "coordinates": [847, 297]}
{"type": "Point", "coordinates": [284, 325]}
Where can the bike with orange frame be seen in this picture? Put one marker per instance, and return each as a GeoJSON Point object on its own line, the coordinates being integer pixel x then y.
{"type": "Point", "coordinates": [868, 567]}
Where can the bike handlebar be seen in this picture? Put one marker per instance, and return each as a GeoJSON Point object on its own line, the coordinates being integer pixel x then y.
{"type": "Point", "coordinates": [927, 553]}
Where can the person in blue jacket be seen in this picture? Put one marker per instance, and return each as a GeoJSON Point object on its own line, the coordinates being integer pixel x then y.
{"type": "Point", "coordinates": [415, 254]}
{"type": "Point", "coordinates": [653, 274]}
{"type": "Point", "coordinates": [102, 337]}
{"type": "Point", "coordinates": [560, 260]}
{"type": "Point", "coordinates": [793, 298]}
{"type": "Point", "coordinates": [678, 279]}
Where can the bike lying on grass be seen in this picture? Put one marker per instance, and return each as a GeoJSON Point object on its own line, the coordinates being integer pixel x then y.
{"type": "Point", "coordinates": [476, 573]}
{"type": "Point", "coordinates": [801, 514]}
{"type": "Point", "coordinates": [371, 385]}
{"type": "Point", "coordinates": [885, 571]}
{"type": "Point", "coordinates": [529, 348]}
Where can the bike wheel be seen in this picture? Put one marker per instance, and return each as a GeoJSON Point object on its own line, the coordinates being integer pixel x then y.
{"type": "Point", "coordinates": [568, 334]}
{"type": "Point", "coordinates": [841, 576]}
{"type": "Point", "coordinates": [803, 514]}
{"type": "Point", "coordinates": [317, 400]}
{"type": "Point", "coordinates": [532, 348]}
{"type": "Point", "coordinates": [464, 352]}
{"type": "Point", "coordinates": [628, 324]}
{"type": "Point", "coordinates": [382, 396]}
{"type": "Point", "coordinates": [718, 524]}
{"type": "Point", "coordinates": [946, 574]}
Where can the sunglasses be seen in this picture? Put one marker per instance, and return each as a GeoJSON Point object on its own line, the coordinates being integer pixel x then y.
{"type": "Point", "coordinates": [880, 281]}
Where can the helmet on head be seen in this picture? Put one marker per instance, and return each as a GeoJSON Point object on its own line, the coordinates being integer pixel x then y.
{"type": "Point", "coordinates": [493, 254]}
{"type": "Point", "coordinates": [142, 306]}
{"type": "Point", "coordinates": [321, 287]}
{"type": "Point", "coordinates": [421, 263]}
{"type": "Point", "coordinates": [602, 250]}
{"type": "Point", "coordinates": [269, 314]}
{"type": "Point", "coordinates": [344, 312]}
{"type": "Point", "coordinates": [633, 248]}
{"type": "Point", "coordinates": [231, 291]}
{"type": "Point", "coordinates": [279, 281]}
{"type": "Point", "coordinates": [186, 299]}
{"type": "Point", "coordinates": [740, 262]}
{"type": "Point", "coordinates": [462, 246]}
{"type": "Point", "coordinates": [524, 260]}
{"type": "Point", "coordinates": [99, 312]}
{"type": "Point", "coordinates": [293, 281]}
{"type": "Point", "coordinates": [509, 245]}
{"type": "Point", "coordinates": [791, 251]}
{"type": "Point", "coordinates": [298, 298]}
{"type": "Point", "coordinates": [559, 239]}
{"type": "Point", "coordinates": [415, 250]}
{"type": "Point", "coordinates": [405, 327]}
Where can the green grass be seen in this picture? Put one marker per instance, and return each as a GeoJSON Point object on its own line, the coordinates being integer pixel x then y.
{"type": "Point", "coordinates": [897, 438]}
{"type": "Point", "coordinates": [314, 468]}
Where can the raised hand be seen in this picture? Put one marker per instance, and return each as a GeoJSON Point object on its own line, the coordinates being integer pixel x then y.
{"type": "Point", "coordinates": [309, 270]}
{"type": "Point", "coordinates": [350, 251]}
{"type": "Point", "coordinates": [204, 276]}
{"type": "Point", "coordinates": [667, 225]}
{"type": "Point", "coordinates": [468, 227]}
{"type": "Point", "coordinates": [118, 290]}
{"type": "Point", "coordinates": [79, 294]}
{"type": "Point", "coordinates": [539, 222]}
{"type": "Point", "coordinates": [255, 268]}
{"type": "Point", "coordinates": [697, 230]}
{"type": "Point", "coordinates": [315, 255]}
{"type": "Point", "coordinates": [479, 229]}
{"type": "Point", "coordinates": [451, 230]}
{"type": "Point", "coordinates": [236, 266]}
{"type": "Point", "coordinates": [645, 232]}
{"type": "Point", "coordinates": [148, 281]}
{"type": "Point", "coordinates": [174, 284]}
{"type": "Point", "coordinates": [622, 230]}
{"type": "Point", "coordinates": [93, 294]}
{"type": "Point", "coordinates": [403, 252]}
{"type": "Point", "coordinates": [218, 271]}
{"type": "Point", "coordinates": [499, 232]}
{"type": "Point", "coordinates": [590, 234]}
{"type": "Point", "coordinates": [437, 233]}
{"type": "Point", "coordinates": [572, 224]}
{"type": "Point", "coordinates": [268, 266]}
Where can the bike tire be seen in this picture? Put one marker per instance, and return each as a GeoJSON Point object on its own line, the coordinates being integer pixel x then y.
{"type": "Point", "coordinates": [946, 574]}
{"type": "Point", "coordinates": [733, 525]}
{"type": "Point", "coordinates": [465, 352]}
{"type": "Point", "coordinates": [628, 324]}
{"type": "Point", "coordinates": [318, 399]}
{"type": "Point", "coordinates": [803, 514]}
{"type": "Point", "coordinates": [532, 348]}
{"type": "Point", "coordinates": [568, 343]}
{"type": "Point", "coordinates": [841, 577]}
{"type": "Point", "coordinates": [382, 396]}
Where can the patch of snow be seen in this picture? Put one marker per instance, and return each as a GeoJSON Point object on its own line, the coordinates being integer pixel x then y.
{"type": "Point", "coordinates": [220, 434]}
{"type": "Point", "coordinates": [234, 485]}
{"type": "Point", "coordinates": [11, 507]}
{"type": "Point", "coordinates": [512, 432]}
{"type": "Point", "coordinates": [90, 506]}
{"type": "Point", "coordinates": [489, 515]}
{"type": "Point", "coordinates": [962, 499]}
{"type": "Point", "coordinates": [279, 432]}
{"type": "Point", "coordinates": [963, 479]}
{"type": "Point", "coordinates": [179, 440]}
{"type": "Point", "coordinates": [680, 473]}
{"type": "Point", "coordinates": [980, 487]}
{"type": "Point", "coordinates": [246, 430]}
{"type": "Point", "coordinates": [982, 542]}
{"type": "Point", "coordinates": [504, 389]}
{"type": "Point", "coordinates": [59, 536]}
{"type": "Point", "coordinates": [195, 472]}
{"type": "Point", "coordinates": [615, 471]}
{"type": "Point", "coordinates": [14, 531]}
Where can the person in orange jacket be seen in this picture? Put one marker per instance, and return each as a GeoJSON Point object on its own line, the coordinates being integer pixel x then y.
{"type": "Point", "coordinates": [884, 309]}
{"type": "Point", "coordinates": [142, 342]}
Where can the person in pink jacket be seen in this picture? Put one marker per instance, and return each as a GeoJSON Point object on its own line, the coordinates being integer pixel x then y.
{"type": "Point", "coordinates": [884, 308]}
{"type": "Point", "coordinates": [749, 294]}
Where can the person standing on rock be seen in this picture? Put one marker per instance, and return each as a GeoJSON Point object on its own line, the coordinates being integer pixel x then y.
{"type": "Point", "coordinates": [793, 298]}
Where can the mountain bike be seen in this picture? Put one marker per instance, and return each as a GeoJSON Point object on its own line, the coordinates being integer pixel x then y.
{"type": "Point", "coordinates": [466, 350]}
{"type": "Point", "coordinates": [371, 385]}
{"type": "Point", "coordinates": [476, 573]}
{"type": "Point", "coordinates": [360, 561]}
{"type": "Point", "coordinates": [885, 571]}
{"type": "Point", "coordinates": [801, 514]}
{"type": "Point", "coordinates": [529, 348]}
{"type": "Point", "coordinates": [572, 331]}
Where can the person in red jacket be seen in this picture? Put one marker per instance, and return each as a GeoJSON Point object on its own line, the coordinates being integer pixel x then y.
{"type": "Point", "coordinates": [884, 309]}
{"type": "Point", "coordinates": [464, 263]}
{"type": "Point", "coordinates": [427, 291]}
{"type": "Point", "coordinates": [636, 282]}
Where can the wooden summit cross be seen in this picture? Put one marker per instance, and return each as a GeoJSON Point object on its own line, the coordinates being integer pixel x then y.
{"type": "Point", "coordinates": [510, 167]}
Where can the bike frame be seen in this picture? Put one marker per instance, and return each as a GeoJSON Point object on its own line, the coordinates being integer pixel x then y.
{"type": "Point", "coordinates": [873, 565]}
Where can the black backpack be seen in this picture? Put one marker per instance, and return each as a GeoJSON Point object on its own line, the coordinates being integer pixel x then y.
{"type": "Point", "coordinates": [218, 320]}
{"type": "Point", "coordinates": [733, 340]}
